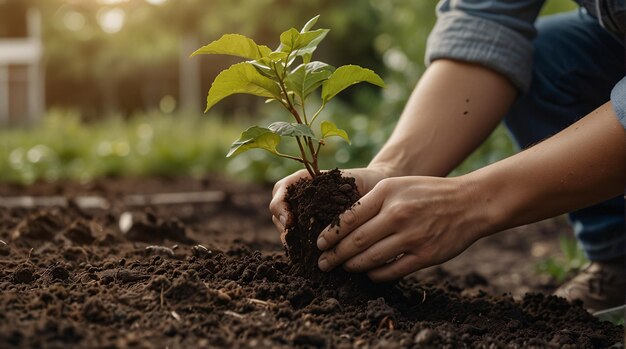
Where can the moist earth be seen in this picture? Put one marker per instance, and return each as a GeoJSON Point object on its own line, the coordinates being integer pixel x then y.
{"type": "Point", "coordinates": [315, 204]}
{"type": "Point", "coordinates": [207, 275]}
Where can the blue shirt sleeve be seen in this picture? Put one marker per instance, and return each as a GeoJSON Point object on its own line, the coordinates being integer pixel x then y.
{"type": "Point", "coordinates": [618, 100]}
{"type": "Point", "coordinates": [493, 33]}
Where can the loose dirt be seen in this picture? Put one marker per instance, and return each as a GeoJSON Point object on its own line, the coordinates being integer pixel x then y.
{"type": "Point", "coordinates": [214, 275]}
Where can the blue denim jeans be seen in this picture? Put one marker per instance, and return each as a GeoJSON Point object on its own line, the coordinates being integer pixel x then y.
{"type": "Point", "coordinates": [576, 64]}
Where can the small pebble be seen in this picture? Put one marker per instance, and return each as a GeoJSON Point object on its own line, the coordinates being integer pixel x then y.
{"type": "Point", "coordinates": [160, 250]}
{"type": "Point", "coordinates": [5, 250]}
{"type": "Point", "coordinates": [125, 222]}
{"type": "Point", "coordinates": [424, 336]}
{"type": "Point", "coordinates": [199, 251]}
{"type": "Point", "coordinates": [223, 296]}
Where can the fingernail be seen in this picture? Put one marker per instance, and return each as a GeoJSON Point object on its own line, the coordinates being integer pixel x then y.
{"type": "Point", "coordinates": [322, 244]}
{"type": "Point", "coordinates": [282, 221]}
{"type": "Point", "coordinates": [323, 264]}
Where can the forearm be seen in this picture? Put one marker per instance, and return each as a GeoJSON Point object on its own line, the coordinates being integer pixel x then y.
{"type": "Point", "coordinates": [582, 165]}
{"type": "Point", "coordinates": [453, 109]}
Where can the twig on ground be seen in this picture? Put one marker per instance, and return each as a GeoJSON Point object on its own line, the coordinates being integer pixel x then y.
{"type": "Point", "coordinates": [232, 313]}
{"type": "Point", "coordinates": [266, 304]}
{"type": "Point", "coordinates": [161, 297]}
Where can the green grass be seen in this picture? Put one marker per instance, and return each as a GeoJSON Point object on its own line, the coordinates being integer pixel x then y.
{"type": "Point", "coordinates": [572, 261]}
{"type": "Point", "coordinates": [63, 147]}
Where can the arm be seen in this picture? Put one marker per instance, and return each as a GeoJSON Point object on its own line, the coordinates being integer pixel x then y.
{"type": "Point", "coordinates": [429, 220]}
{"type": "Point", "coordinates": [452, 110]}
{"type": "Point", "coordinates": [580, 166]}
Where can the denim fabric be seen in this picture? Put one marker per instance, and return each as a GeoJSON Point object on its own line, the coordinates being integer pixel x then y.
{"type": "Point", "coordinates": [498, 35]}
{"type": "Point", "coordinates": [618, 98]}
{"type": "Point", "coordinates": [610, 13]}
{"type": "Point", "coordinates": [576, 65]}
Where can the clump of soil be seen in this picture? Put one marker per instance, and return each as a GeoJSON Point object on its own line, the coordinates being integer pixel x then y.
{"type": "Point", "coordinates": [63, 287]}
{"type": "Point", "coordinates": [315, 204]}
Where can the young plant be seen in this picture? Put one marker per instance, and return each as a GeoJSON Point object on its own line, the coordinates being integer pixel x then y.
{"type": "Point", "coordinates": [271, 74]}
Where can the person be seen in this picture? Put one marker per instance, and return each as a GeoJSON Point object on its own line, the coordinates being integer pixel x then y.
{"type": "Point", "coordinates": [559, 85]}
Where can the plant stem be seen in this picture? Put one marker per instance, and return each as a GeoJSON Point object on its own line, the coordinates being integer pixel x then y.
{"type": "Point", "coordinates": [304, 112]}
{"type": "Point", "coordinates": [319, 146]}
{"type": "Point", "coordinates": [287, 156]}
{"type": "Point", "coordinates": [307, 163]}
{"type": "Point", "coordinates": [317, 113]}
{"type": "Point", "coordinates": [294, 112]}
{"type": "Point", "coordinates": [309, 140]}
{"type": "Point", "coordinates": [314, 154]}
{"type": "Point", "coordinates": [311, 166]}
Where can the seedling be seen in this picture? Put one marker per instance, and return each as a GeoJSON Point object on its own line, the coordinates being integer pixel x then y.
{"type": "Point", "coordinates": [270, 74]}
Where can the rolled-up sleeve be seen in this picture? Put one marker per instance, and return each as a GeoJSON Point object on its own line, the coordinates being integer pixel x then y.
{"type": "Point", "coordinates": [496, 34]}
{"type": "Point", "coordinates": [618, 100]}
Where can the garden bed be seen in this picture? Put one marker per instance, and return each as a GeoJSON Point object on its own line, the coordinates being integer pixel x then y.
{"type": "Point", "coordinates": [214, 274]}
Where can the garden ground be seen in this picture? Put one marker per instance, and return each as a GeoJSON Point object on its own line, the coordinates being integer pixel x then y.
{"type": "Point", "coordinates": [213, 274]}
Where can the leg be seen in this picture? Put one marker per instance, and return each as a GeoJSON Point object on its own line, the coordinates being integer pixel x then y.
{"type": "Point", "coordinates": [576, 65]}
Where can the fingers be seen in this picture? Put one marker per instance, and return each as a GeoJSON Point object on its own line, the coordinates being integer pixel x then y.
{"type": "Point", "coordinates": [357, 231]}
{"type": "Point", "coordinates": [365, 179]}
{"type": "Point", "coordinates": [397, 269]}
{"type": "Point", "coordinates": [377, 255]}
{"type": "Point", "coordinates": [278, 206]}
{"type": "Point", "coordinates": [364, 210]}
{"type": "Point", "coordinates": [279, 226]}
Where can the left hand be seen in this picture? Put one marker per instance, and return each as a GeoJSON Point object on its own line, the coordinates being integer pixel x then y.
{"type": "Point", "coordinates": [405, 224]}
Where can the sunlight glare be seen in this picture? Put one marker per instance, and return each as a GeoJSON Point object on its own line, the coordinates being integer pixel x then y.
{"type": "Point", "coordinates": [111, 20]}
{"type": "Point", "coordinates": [74, 21]}
{"type": "Point", "coordinates": [156, 2]}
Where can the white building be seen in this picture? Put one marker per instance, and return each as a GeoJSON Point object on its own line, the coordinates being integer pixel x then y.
{"type": "Point", "coordinates": [22, 73]}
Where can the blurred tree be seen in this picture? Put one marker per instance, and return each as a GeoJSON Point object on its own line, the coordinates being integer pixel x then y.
{"type": "Point", "coordinates": [126, 55]}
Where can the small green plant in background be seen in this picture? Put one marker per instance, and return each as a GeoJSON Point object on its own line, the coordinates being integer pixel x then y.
{"type": "Point", "coordinates": [573, 260]}
{"type": "Point", "coordinates": [63, 147]}
{"type": "Point", "coordinates": [270, 74]}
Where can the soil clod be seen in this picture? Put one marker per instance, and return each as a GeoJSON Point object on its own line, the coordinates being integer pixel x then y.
{"type": "Point", "coordinates": [69, 289]}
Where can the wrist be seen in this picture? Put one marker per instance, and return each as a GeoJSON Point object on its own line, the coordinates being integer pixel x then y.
{"type": "Point", "coordinates": [386, 170]}
{"type": "Point", "coordinates": [491, 200]}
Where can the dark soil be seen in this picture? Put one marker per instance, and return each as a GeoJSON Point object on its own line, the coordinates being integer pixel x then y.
{"type": "Point", "coordinates": [214, 275]}
{"type": "Point", "coordinates": [315, 204]}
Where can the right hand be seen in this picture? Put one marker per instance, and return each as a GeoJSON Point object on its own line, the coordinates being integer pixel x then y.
{"type": "Point", "coordinates": [366, 179]}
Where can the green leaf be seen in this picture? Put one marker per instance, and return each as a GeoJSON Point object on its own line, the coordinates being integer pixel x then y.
{"type": "Point", "coordinates": [306, 78]}
{"type": "Point", "coordinates": [329, 129]}
{"type": "Point", "coordinates": [253, 138]}
{"type": "Point", "coordinates": [310, 24]}
{"type": "Point", "coordinates": [291, 130]}
{"type": "Point", "coordinates": [263, 69]}
{"type": "Point", "coordinates": [241, 78]}
{"type": "Point", "coordinates": [277, 56]}
{"type": "Point", "coordinates": [234, 45]}
{"type": "Point", "coordinates": [309, 48]}
{"type": "Point", "coordinates": [346, 76]}
{"type": "Point", "coordinates": [306, 57]}
{"type": "Point", "coordinates": [305, 42]}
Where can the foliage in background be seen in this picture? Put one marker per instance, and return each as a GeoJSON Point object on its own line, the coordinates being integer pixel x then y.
{"type": "Point", "coordinates": [88, 68]}
{"type": "Point", "coordinates": [104, 56]}
{"type": "Point", "coordinates": [63, 147]}
{"type": "Point", "coordinates": [572, 261]}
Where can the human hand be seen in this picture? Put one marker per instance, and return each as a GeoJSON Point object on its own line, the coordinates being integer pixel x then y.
{"type": "Point", "coordinates": [405, 224]}
{"type": "Point", "coordinates": [365, 178]}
